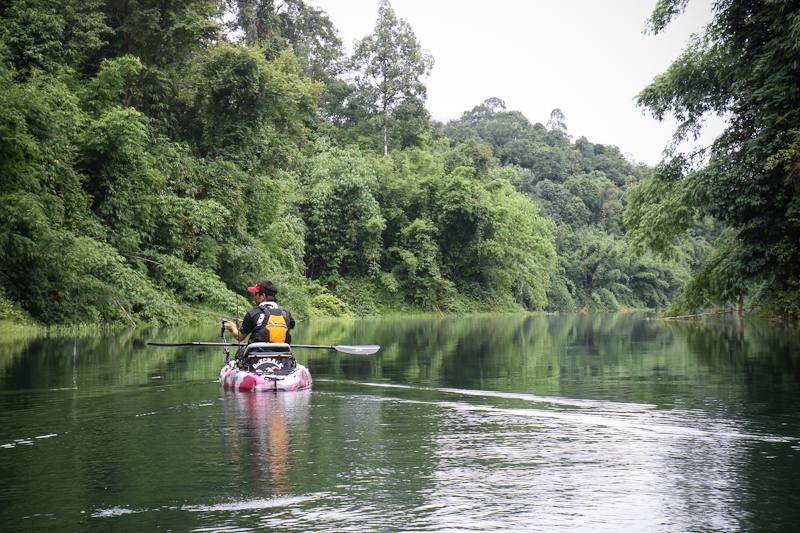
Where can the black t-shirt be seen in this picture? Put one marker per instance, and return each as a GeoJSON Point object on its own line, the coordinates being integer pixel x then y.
{"type": "Point", "coordinates": [248, 323]}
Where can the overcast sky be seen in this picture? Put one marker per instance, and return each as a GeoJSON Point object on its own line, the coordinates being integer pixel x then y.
{"type": "Point", "coordinates": [587, 57]}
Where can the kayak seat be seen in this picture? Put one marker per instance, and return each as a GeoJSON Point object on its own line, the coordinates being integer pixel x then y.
{"type": "Point", "coordinates": [270, 358]}
{"type": "Point", "coordinates": [273, 349]}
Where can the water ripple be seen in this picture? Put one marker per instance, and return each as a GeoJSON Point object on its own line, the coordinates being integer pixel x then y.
{"type": "Point", "coordinates": [628, 417]}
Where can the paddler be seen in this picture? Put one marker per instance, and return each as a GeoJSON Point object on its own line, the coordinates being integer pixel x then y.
{"type": "Point", "coordinates": [267, 321]}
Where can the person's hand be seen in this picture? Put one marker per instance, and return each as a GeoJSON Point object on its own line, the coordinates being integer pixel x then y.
{"type": "Point", "coordinates": [229, 325]}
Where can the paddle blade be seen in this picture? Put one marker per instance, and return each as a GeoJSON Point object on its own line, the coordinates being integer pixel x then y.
{"type": "Point", "coordinates": [361, 349]}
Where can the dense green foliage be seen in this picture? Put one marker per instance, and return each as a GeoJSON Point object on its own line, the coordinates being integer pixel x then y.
{"type": "Point", "coordinates": [581, 187]}
{"type": "Point", "coordinates": [158, 157]}
{"type": "Point", "coordinates": [745, 67]}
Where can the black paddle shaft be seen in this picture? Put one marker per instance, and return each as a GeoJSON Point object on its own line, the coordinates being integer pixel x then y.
{"type": "Point", "coordinates": [356, 349]}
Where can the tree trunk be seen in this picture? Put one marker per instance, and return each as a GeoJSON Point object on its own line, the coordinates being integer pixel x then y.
{"type": "Point", "coordinates": [385, 132]}
{"type": "Point", "coordinates": [127, 95]}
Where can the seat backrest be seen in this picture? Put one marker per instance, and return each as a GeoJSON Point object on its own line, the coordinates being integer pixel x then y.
{"type": "Point", "coordinates": [274, 349]}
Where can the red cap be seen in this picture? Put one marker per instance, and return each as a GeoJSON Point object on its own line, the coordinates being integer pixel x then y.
{"type": "Point", "coordinates": [263, 286]}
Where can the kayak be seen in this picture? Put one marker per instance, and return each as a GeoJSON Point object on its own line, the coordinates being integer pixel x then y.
{"type": "Point", "coordinates": [265, 366]}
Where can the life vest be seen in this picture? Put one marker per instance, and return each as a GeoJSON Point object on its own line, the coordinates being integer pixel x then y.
{"type": "Point", "coordinates": [271, 324]}
{"type": "Point", "coordinates": [277, 329]}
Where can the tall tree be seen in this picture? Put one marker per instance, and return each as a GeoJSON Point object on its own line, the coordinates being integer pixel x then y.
{"type": "Point", "coordinates": [390, 64]}
{"type": "Point", "coordinates": [43, 35]}
{"type": "Point", "coordinates": [168, 38]}
{"type": "Point", "coordinates": [244, 113]}
{"type": "Point", "coordinates": [275, 25]}
{"type": "Point", "coordinates": [557, 121]}
{"type": "Point", "coordinates": [486, 110]}
{"type": "Point", "coordinates": [746, 67]}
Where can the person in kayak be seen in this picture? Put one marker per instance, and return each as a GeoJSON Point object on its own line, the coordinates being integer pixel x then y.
{"type": "Point", "coordinates": [267, 321]}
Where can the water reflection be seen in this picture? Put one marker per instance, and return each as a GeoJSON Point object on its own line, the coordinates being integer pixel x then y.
{"type": "Point", "coordinates": [528, 423]}
{"type": "Point", "coordinates": [620, 356]}
{"type": "Point", "coordinates": [258, 430]}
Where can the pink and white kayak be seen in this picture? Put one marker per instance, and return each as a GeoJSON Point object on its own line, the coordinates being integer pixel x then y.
{"type": "Point", "coordinates": [263, 367]}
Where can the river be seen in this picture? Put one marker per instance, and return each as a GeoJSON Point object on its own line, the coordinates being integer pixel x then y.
{"type": "Point", "coordinates": [484, 423]}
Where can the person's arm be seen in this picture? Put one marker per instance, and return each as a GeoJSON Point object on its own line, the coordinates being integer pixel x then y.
{"type": "Point", "coordinates": [240, 334]}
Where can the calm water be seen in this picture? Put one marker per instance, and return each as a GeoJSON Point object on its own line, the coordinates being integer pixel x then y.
{"type": "Point", "coordinates": [570, 423]}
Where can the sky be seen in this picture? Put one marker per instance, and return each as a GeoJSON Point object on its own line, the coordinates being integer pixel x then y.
{"type": "Point", "coordinates": [590, 58]}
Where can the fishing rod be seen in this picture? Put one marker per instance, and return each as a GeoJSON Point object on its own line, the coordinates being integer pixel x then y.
{"type": "Point", "coordinates": [224, 343]}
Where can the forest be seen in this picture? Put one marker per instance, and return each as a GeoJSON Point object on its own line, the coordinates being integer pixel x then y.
{"type": "Point", "coordinates": [158, 157]}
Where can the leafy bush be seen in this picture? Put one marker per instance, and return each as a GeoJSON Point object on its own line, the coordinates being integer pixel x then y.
{"type": "Point", "coordinates": [194, 284]}
{"type": "Point", "coordinates": [359, 295]}
{"type": "Point", "coordinates": [12, 312]}
{"type": "Point", "coordinates": [604, 299]}
{"type": "Point", "coordinates": [325, 303]}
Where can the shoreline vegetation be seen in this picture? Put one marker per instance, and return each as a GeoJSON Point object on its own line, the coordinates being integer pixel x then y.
{"type": "Point", "coordinates": [158, 158]}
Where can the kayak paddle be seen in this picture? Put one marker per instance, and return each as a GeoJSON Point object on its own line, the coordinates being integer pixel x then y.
{"type": "Point", "coordinates": [356, 349]}
{"type": "Point", "coordinates": [353, 349]}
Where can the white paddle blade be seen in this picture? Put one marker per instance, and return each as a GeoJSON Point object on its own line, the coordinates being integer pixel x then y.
{"type": "Point", "coordinates": [362, 349]}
